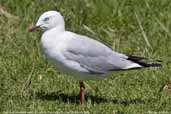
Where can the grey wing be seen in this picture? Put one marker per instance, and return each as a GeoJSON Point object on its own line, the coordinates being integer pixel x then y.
{"type": "Point", "coordinates": [94, 56]}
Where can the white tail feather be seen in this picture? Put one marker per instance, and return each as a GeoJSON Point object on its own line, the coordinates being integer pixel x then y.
{"type": "Point", "coordinates": [133, 65]}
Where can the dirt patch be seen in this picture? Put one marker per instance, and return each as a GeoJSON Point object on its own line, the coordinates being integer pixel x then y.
{"type": "Point", "coordinates": [7, 14]}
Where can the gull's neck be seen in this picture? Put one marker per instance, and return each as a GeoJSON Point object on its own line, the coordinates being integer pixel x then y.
{"type": "Point", "coordinates": [57, 29]}
{"type": "Point", "coordinates": [52, 34]}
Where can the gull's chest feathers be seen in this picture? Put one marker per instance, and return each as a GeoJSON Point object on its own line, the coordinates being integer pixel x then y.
{"type": "Point", "coordinates": [53, 45]}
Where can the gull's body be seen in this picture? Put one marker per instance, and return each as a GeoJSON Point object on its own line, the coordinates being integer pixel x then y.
{"type": "Point", "coordinates": [84, 58]}
{"type": "Point", "coordinates": [87, 59]}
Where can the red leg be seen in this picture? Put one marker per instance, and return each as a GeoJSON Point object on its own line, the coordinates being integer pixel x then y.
{"type": "Point", "coordinates": [82, 92]}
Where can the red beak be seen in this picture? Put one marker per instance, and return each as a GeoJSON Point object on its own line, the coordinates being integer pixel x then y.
{"type": "Point", "coordinates": [33, 28]}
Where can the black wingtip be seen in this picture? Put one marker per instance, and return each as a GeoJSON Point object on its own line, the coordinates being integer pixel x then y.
{"type": "Point", "coordinates": [145, 62]}
{"type": "Point", "coordinates": [153, 65]}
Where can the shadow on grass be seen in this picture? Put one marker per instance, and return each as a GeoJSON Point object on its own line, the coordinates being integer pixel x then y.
{"type": "Point", "coordinates": [74, 99]}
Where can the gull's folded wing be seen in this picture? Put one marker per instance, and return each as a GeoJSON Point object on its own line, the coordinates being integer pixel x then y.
{"type": "Point", "coordinates": [95, 57]}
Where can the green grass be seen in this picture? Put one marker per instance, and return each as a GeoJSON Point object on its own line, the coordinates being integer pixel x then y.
{"type": "Point", "coordinates": [138, 27]}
